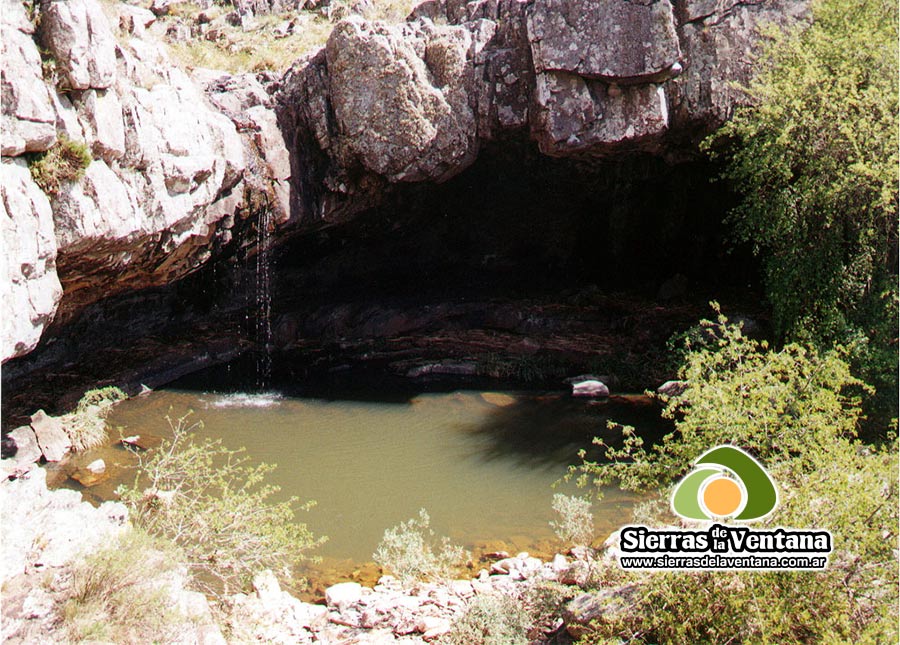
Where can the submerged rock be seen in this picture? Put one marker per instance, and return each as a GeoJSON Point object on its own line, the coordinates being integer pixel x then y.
{"type": "Point", "coordinates": [92, 474]}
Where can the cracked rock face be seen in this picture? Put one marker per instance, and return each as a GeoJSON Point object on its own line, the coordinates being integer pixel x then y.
{"type": "Point", "coordinates": [28, 279]}
{"type": "Point", "coordinates": [29, 121]}
{"type": "Point", "coordinates": [400, 98]}
{"type": "Point", "coordinates": [166, 183]}
{"type": "Point", "coordinates": [385, 104]}
{"type": "Point", "coordinates": [625, 41]}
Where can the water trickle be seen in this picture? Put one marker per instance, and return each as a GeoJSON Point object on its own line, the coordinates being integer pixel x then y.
{"type": "Point", "coordinates": [263, 307]}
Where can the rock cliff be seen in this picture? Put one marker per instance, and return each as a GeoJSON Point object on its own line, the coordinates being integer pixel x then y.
{"type": "Point", "coordinates": [169, 173]}
{"type": "Point", "coordinates": [183, 166]}
{"type": "Point", "coordinates": [387, 104]}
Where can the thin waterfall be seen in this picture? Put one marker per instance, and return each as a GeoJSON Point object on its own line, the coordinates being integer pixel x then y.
{"type": "Point", "coordinates": [263, 305]}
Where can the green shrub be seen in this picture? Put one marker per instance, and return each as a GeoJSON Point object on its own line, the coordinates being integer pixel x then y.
{"type": "Point", "coordinates": [118, 593]}
{"type": "Point", "coordinates": [491, 619]}
{"type": "Point", "coordinates": [575, 526]}
{"type": "Point", "coordinates": [521, 616]}
{"type": "Point", "coordinates": [63, 163]}
{"type": "Point", "coordinates": [86, 425]}
{"type": "Point", "coordinates": [797, 410]}
{"type": "Point", "coordinates": [215, 506]}
{"type": "Point", "coordinates": [779, 405]}
{"type": "Point", "coordinates": [815, 159]}
{"type": "Point", "coordinates": [411, 551]}
{"type": "Point", "coordinates": [852, 491]}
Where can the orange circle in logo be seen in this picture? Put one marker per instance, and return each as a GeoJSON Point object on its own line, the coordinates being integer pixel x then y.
{"type": "Point", "coordinates": [722, 496]}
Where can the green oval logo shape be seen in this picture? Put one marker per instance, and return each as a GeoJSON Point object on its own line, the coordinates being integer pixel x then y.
{"type": "Point", "coordinates": [725, 482]}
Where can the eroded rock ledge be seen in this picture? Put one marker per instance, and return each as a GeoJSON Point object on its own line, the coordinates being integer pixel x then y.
{"type": "Point", "coordinates": [171, 178]}
{"type": "Point", "coordinates": [383, 104]}
{"type": "Point", "coordinates": [187, 170]}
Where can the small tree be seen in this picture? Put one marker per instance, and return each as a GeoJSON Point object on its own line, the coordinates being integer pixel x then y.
{"type": "Point", "coordinates": [575, 526]}
{"type": "Point", "coordinates": [411, 551]}
{"type": "Point", "coordinates": [212, 503]}
{"type": "Point", "coordinates": [779, 405]}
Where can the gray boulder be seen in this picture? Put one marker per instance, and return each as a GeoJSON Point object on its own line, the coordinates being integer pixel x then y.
{"type": "Point", "coordinates": [78, 35]}
{"type": "Point", "coordinates": [29, 121]}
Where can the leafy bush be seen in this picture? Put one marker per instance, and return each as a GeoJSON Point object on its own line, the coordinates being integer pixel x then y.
{"type": "Point", "coordinates": [816, 160]}
{"type": "Point", "coordinates": [491, 619]}
{"type": "Point", "coordinates": [116, 593]}
{"type": "Point", "coordinates": [64, 162]}
{"type": "Point", "coordinates": [215, 506]}
{"type": "Point", "coordinates": [576, 523]}
{"type": "Point", "coordinates": [797, 410]}
{"type": "Point", "coordinates": [86, 425]}
{"type": "Point", "coordinates": [521, 616]}
{"type": "Point", "coordinates": [411, 552]}
{"type": "Point", "coordinates": [852, 492]}
{"type": "Point", "coordinates": [777, 404]}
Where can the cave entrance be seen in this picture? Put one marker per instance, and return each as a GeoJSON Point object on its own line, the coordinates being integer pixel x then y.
{"type": "Point", "coordinates": [523, 269]}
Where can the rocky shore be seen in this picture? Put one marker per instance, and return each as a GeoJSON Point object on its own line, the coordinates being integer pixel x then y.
{"type": "Point", "coordinates": [53, 529]}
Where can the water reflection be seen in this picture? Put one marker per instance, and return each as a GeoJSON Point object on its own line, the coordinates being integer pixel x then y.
{"type": "Point", "coordinates": [482, 463]}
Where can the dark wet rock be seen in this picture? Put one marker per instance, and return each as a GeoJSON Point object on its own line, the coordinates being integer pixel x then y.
{"type": "Point", "coordinates": [448, 367]}
{"type": "Point", "coordinates": [674, 288]}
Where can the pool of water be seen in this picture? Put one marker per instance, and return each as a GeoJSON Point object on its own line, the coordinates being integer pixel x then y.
{"type": "Point", "coordinates": [482, 463]}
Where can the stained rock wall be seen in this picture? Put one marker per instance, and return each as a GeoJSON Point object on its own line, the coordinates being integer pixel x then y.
{"type": "Point", "coordinates": [383, 104]}
{"type": "Point", "coordinates": [183, 165]}
{"type": "Point", "coordinates": [170, 173]}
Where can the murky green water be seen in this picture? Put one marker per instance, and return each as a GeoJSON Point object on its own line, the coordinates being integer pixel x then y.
{"type": "Point", "coordinates": [483, 465]}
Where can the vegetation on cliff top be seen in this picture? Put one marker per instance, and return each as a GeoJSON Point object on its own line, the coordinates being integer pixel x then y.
{"type": "Point", "coordinates": [816, 161]}
{"type": "Point", "coordinates": [269, 42]}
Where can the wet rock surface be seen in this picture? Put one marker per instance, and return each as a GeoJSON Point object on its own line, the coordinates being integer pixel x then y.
{"type": "Point", "coordinates": [165, 188]}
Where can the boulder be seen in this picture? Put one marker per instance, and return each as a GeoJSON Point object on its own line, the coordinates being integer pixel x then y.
{"type": "Point", "coordinates": [29, 120]}
{"type": "Point", "coordinates": [78, 35]}
{"type": "Point", "coordinates": [672, 388]}
{"type": "Point", "coordinates": [624, 42]}
{"type": "Point", "coordinates": [28, 450]}
{"type": "Point", "coordinates": [29, 285]}
{"type": "Point", "coordinates": [400, 98]}
{"type": "Point", "coordinates": [52, 439]}
{"type": "Point", "coordinates": [590, 389]}
{"type": "Point", "coordinates": [343, 594]}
